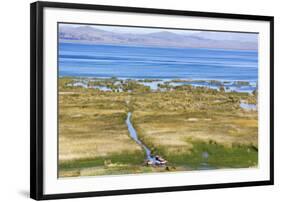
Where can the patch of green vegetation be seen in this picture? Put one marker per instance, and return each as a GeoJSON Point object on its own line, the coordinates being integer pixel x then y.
{"type": "Point", "coordinates": [242, 83]}
{"type": "Point", "coordinates": [123, 158]}
{"type": "Point", "coordinates": [215, 82]}
{"type": "Point", "coordinates": [218, 156]}
{"type": "Point", "coordinates": [165, 85]}
{"type": "Point", "coordinates": [132, 85]}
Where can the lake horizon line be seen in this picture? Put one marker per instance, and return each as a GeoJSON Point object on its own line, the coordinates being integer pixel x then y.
{"type": "Point", "coordinates": [151, 46]}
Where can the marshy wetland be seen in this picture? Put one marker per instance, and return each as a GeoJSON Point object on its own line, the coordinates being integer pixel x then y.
{"type": "Point", "coordinates": [185, 124]}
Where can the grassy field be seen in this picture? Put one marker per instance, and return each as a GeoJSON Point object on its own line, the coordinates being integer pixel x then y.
{"type": "Point", "coordinates": [189, 127]}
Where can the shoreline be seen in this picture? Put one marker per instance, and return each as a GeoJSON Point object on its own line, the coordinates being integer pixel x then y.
{"type": "Point", "coordinates": [155, 84]}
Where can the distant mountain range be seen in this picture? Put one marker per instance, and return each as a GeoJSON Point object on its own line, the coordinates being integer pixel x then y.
{"type": "Point", "coordinates": [204, 39]}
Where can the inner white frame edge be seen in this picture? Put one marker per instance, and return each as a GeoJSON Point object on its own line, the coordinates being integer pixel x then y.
{"type": "Point", "coordinates": [53, 185]}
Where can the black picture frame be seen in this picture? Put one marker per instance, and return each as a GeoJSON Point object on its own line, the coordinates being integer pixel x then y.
{"type": "Point", "coordinates": [36, 98]}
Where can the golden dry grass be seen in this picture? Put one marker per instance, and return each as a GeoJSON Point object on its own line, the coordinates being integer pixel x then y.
{"type": "Point", "coordinates": [92, 126]}
{"type": "Point", "coordinates": [173, 120]}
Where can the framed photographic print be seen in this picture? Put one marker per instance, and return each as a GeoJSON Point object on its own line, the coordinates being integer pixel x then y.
{"type": "Point", "coordinates": [136, 100]}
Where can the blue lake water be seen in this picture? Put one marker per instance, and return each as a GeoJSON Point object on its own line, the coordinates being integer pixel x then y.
{"type": "Point", "coordinates": [150, 62]}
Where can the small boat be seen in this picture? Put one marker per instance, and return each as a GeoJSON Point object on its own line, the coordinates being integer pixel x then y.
{"type": "Point", "coordinates": [160, 160]}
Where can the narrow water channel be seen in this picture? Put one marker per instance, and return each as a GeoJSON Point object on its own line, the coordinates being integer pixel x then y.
{"type": "Point", "coordinates": [134, 135]}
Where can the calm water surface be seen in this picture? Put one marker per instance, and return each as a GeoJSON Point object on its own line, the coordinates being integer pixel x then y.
{"type": "Point", "coordinates": [165, 63]}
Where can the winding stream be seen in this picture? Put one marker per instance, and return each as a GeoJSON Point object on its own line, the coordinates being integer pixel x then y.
{"type": "Point", "coordinates": [133, 134]}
